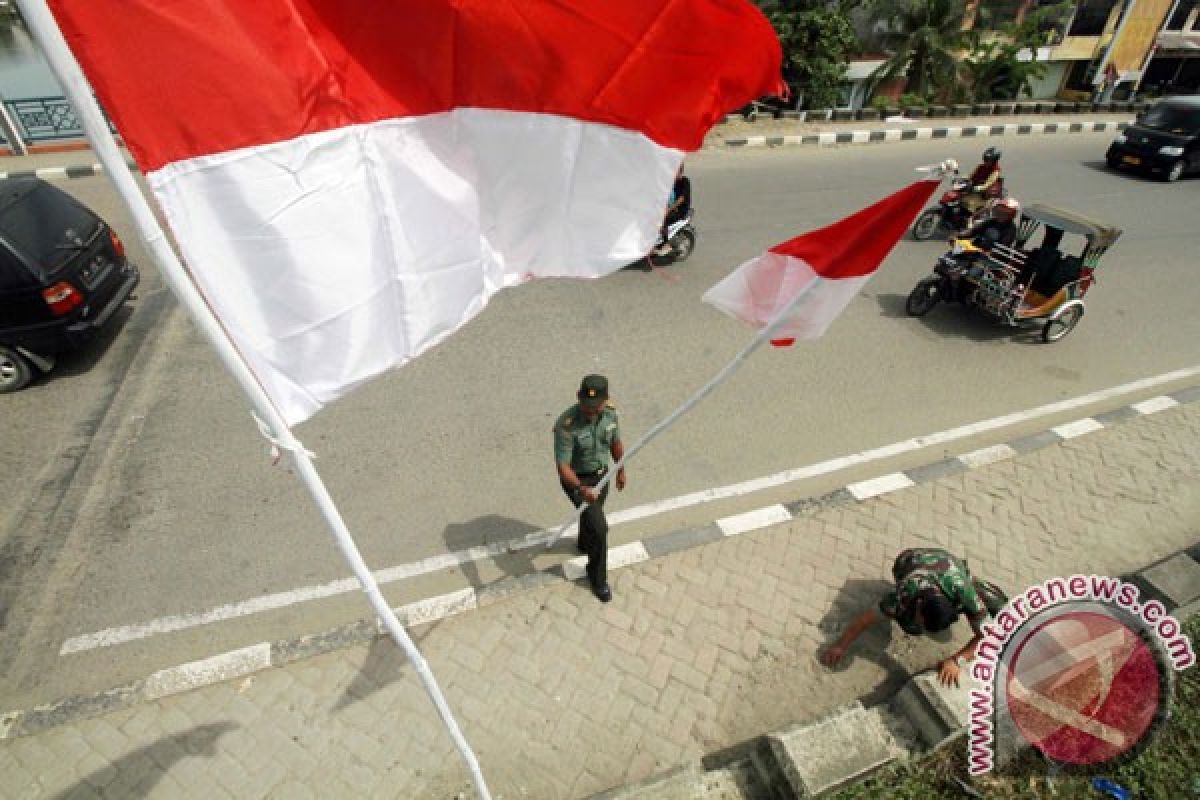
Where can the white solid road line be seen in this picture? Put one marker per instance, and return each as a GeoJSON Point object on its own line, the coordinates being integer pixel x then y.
{"type": "Point", "coordinates": [179, 622]}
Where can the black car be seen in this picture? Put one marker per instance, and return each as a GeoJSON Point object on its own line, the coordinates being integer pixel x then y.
{"type": "Point", "coordinates": [1165, 140]}
{"type": "Point", "coordinates": [63, 274]}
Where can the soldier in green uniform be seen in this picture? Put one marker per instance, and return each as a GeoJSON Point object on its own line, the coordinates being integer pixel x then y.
{"type": "Point", "coordinates": [932, 589]}
{"type": "Point", "coordinates": [585, 436]}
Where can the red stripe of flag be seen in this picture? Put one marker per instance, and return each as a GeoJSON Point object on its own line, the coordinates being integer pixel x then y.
{"type": "Point", "coordinates": [183, 79]}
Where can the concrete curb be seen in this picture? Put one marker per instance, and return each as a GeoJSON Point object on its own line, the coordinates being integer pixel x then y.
{"type": "Point", "coordinates": [244, 661]}
{"type": "Point", "coordinates": [61, 173]}
{"type": "Point", "coordinates": [821, 139]}
{"type": "Point", "coordinates": [883, 135]}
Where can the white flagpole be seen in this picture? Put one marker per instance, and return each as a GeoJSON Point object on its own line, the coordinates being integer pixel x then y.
{"type": "Point", "coordinates": [46, 32]}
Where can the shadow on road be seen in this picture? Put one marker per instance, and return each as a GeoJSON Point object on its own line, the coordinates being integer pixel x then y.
{"type": "Point", "coordinates": [164, 753]}
{"type": "Point", "coordinates": [488, 530]}
{"type": "Point", "coordinates": [954, 319]}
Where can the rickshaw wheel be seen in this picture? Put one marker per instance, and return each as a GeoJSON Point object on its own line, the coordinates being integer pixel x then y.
{"type": "Point", "coordinates": [1062, 323]}
{"type": "Point", "coordinates": [927, 224]}
{"type": "Point", "coordinates": [922, 298]}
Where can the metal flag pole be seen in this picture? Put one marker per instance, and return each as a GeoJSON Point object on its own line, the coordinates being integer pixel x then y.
{"type": "Point", "coordinates": [45, 31]}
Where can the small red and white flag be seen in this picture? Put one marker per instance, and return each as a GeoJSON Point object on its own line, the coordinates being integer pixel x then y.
{"type": "Point", "coordinates": [351, 181]}
{"type": "Point", "coordinates": [811, 278]}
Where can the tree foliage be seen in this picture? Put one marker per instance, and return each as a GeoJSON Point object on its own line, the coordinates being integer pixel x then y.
{"type": "Point", "coordinates": [817, 41]}
{"type": "Point", "coordinates": [992, 69]}
{"type": "Point", "coordinates": [924, 41]}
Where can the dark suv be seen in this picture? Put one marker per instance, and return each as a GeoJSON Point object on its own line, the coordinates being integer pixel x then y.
{"type": "Point", "coordinates": [63, 274]}
{"type": "Point", "coordinates": [1165, 140]}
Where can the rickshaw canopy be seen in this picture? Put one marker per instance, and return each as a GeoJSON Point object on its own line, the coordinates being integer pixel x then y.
{"type": "Point", "coordinates": [1100, 235]}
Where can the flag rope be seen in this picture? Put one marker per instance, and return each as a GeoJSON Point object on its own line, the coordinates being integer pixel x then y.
{"type": "Point", "coordinates": [46, 33]}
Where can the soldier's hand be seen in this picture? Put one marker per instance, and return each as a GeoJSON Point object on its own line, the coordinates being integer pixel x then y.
{"type": "Point", "coordinates": [587, 493]}
{"type": "Point", "coordinates": [948, 672]}
{"type": "Point", "coordinates": [833, 655]}
{"type": "Point", "coordinates": [621, 480]}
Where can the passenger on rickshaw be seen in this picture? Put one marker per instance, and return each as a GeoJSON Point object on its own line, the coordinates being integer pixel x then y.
{"type": "Point", "coordinates": [1047, 269]}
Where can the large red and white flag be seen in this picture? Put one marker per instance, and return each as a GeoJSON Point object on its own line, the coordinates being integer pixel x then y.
{"type": "Point", "coordinates": [818, 273]}
{"type": "Point", "coordinates": [351, 180]}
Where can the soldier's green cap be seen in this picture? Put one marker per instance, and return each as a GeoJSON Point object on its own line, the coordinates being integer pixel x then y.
{"type": "Point", "coordinates": [593, 391]}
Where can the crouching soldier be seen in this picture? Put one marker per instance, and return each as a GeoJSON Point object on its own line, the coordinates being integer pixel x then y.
{"type": "Point", "coordinates": [932, 589]}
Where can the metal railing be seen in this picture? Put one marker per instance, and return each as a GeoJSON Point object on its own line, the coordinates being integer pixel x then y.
{"type": "Point", "coordinates": [30, 120]}
{"type": "Point", "coordinates": [42, 119]}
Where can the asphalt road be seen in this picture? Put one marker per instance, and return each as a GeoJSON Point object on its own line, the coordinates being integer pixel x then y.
{"type": "Point", "coordinates": [152, 493]}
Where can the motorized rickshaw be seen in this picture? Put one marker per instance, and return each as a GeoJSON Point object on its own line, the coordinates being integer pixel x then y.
{"type": "Point", "coordinates": [1022, 285]}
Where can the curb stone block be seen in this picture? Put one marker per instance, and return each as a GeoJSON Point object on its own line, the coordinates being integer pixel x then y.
{"type": "Point", "coordinates": [938, 713]}
{"type": "Point", "coordinates": [840, 748]}
{"type": "Point", "coordinates": [1178, 579]}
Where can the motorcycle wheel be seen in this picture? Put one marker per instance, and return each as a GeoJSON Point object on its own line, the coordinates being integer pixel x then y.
{"type": "Point", "coordinates": [682, 245]}
{"type": "Point", "coordinates": [921, 300]}
{"type": "Point", "coordinates": [927, 224]}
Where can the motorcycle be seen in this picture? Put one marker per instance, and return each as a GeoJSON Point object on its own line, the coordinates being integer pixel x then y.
{"type": "Point", "coordinates": [951, 214]}
{"type": "Point", "coordinates": [953, 279]}
{"type": "Point", "coordinates": [681, 241]}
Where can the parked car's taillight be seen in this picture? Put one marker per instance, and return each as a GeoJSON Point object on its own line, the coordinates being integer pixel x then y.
{"type": "Point", "coordinates": [62, 297]}
{"type": "Point", "coordinates": [117, 244]}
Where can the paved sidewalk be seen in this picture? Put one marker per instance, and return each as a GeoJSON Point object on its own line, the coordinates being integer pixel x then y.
{"type": "Point", "coordinates": [701, 650]}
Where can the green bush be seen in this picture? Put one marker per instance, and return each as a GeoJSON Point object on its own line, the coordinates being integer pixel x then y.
{"type": "Point", "coordinates": [912, 101]}
{"type": "Point", "coordinates": [879, 102]}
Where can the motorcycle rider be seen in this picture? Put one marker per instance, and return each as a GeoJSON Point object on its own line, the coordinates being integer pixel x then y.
{"type": "Point", "coordinates": [1000, 226]}
{"type": "Point", "coordinates": [986, 181]}
{"type": "Point", "coordinates": [677, 208]}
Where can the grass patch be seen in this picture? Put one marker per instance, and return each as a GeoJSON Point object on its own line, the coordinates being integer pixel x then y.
{"type": "Point", "coordinates": [1168, 769]}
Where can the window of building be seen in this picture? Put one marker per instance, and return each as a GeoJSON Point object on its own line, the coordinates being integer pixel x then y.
{"type": "Point", "coordinates": [1091, 17]}
{"type": "Point", "coordinates": [1079, 76]}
